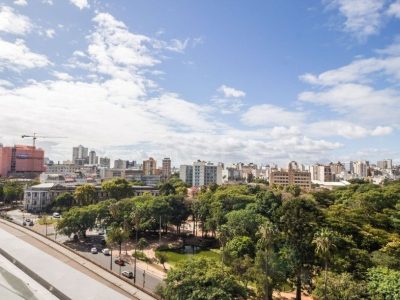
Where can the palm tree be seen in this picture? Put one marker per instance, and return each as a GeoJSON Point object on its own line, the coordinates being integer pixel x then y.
{"type": "Point", "coordinates": [324, 246]}
{"type": "Point", "coordinates": [117, 235]}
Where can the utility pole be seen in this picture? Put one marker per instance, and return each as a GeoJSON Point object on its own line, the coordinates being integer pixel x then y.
{"type": "Point", "coordinates": [136, 239]}
{"type": "Point", "coordinates": [144, 277]}
{"type": "Point", "coordinates": [159, 241]}
{"type": "Point", "coordinates": [110, 259]}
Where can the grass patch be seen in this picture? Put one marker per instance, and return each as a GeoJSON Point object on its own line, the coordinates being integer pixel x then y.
{"type": "Point", "coordinates": [48, 220]}
{"type": "Point", "coordinates": [174, 257]}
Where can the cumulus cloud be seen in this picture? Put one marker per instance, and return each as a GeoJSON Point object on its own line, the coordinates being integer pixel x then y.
{"type": "Point", "coordinates": [362, 18]}
{"type": "Point", "coordinates": [268, 114]}
{"type": "Point", "coordinates": [394, 9]}
{"type": "Point", "coordinates": [11, 22]}
{"type": "Point", "coordinates": [50, 33]}
{"type": "Point", "coordinates": [117, 110]}
{"type": "Point", "coordinates": [228, 100]}
{"type": "Point", "coordinates": [81, 4]}
{"type": "Point", "coordinates": [17, 56]}
{"type": "Point", "coordinates": [21, 2]}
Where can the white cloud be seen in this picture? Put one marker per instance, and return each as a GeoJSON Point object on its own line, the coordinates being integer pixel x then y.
{"type": "Point", "coordinates": [17, 56]}
{"type": "Point", "coordinates": [81, 4]}
{"type": "Point", "coordinates": [345, 129]}
{"type": "Point", "coordinates": [21, 2]}
{"type": "Point", "coordinates": [394, 9]}
{"type": "Point", "coordinates": [133, 115]}
{"type": "Point", "coordinates": [363, 18]}
{"type": "Point", "coordinates": [13, 23]}
{"type": "Point", "coordinates": [50, 33]}
{"type": "Point", "coordinates": [267, 115]}
{"type": "Point", "coordinates": [62, 76]}
{"type": "Point", "coordinates": [228, 99]}
{"type": "Point", "coordinates": [231, 92]}
{"type": "Point", "coordinates": [49, 2]}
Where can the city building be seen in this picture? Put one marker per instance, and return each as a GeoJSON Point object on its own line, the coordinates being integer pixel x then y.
{"type": "Point", "coordinates": [361, 168]}
{"type": "Point", "coordinates": [21, 161]}
{"type": "Point", "coordinates": [186, 174]}
{"type": "Point", "coordinates": [93, 159]}
{"type": "Point", "coordinates": [80, 155]}
{"type": "Point", "coordinates": [38, 197]}
{"type": "Point", "coordinates": [201, 173]}
{"type": "Point", "coordinates": [322, 173]}
{"type": "Point", "coordinates": [292, 176]}
{"type": "Point", "coordinates": [150, 167]}
{"type": "Point", "coordinates": [105, 162]}
{"type": "Point", "coordinates": [337, 168]}
{"type": "Point", "coordinates": [385, 164]}
{"type": "Point", "coordinates": [119, 164]}
{"type": "Point", "coordinates": [166, 168]}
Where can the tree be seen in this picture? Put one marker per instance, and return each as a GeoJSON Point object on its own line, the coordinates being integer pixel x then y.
{"type": "Point", "coordinates": [117, 235]}
{"type": "Point", "coordinates": [293, 189]}
{"type": "Point", "coordinates": [167, 189]}
{"type": "Point", "coordinates": [339, 287]}
{"type": "Point", "coordinates": [384, 283]}
{"type": "Point", "coordinates": [117, 188]}
{"type": "Point", "coordinates": [298, 222]}
{"type": "Point", "coordinates": [142, 243]}
{"type": "Point", "coordinates": [269, 266]}
{"type": "Point", "coordinates": [85, 194]}
{"type": "Point", "coordinates": [162, 258]}
{"type": "Point", "coordinates": [240, 246]}
{"type": "Point", "coordinates": [12, 191]}
{"type": "Point", "coordinates": [324, 245]}
{"type": "Point", "coordinates": [78, 220]}
{"type": "Point", "coordinates": [64, 200]}
{"type": "Point", "coordinates": [200, 279]}
{"type": "Point", "coordinates": [243, 223]}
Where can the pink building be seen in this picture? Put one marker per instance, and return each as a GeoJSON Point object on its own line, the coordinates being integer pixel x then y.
{"type": "Point", "coordinates": [21, 161]}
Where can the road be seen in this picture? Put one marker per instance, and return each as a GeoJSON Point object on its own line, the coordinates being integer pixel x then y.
{"type": "Point", "coordinates": [151, 281]}
{"type": "Point", "coordinates": [144, 277]}
{"type": "Point", "coordinates": [71, 278]}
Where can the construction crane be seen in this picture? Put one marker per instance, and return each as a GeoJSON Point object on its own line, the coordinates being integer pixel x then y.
{"type": "Point", "coordinates": [35, 137]}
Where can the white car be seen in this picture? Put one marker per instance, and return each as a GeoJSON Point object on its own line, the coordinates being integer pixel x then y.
{"type": "Point", "coordinates": [106, 251]}
{"type": "Point", "coordinates": [93, 250]}
{"type": "Point", "coordinates": [56, 215]}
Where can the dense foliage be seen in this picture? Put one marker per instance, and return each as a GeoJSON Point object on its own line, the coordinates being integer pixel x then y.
{"type": "Point", "coordinates": [340, 244]}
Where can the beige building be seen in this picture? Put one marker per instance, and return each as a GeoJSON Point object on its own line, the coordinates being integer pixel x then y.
{"type": "Point", "coordinates": [166, 168]}
{"type": "Point", "coordinates": [150, 167]}
{"type": "Point", "coordinates": [291, 176]}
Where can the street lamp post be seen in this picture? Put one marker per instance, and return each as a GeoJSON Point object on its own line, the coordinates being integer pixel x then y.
{"type": "Point", "coordinates": [144, 277]}
{"type": "Point", "coordinates": [136, 240]}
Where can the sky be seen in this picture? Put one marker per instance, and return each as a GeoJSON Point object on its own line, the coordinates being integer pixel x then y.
{"type": "Point", "coordinates": [223, 81]}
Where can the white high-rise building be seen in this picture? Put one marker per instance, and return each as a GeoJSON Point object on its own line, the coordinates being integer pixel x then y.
{"type": "Point", "coordinates": [93, 159]}
{"type": "Point", "coordinates": [361, 168]}
{"type": "Point", "coordinates": [80, 155]}
{"type": "Point", "coordinates": [203, 173]}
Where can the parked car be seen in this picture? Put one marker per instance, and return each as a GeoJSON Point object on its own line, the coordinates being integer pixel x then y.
{"type": "Point", "coordinates": [31, 223]}
{"type": "Point", "coordinates": [128, 274]}
{"type": "Point", "coordinates": [27, 220]}
{"type": "Point", "coordinates": [24, 223]}
{"type": "Point", "coordinates": [93, 250]}
{"type": "Point", "coordinates": [56, 215]}
{"type": "Point", "coordinates": [120, 262]}
{"type": "Point", "coordinates": [101, 232]}
{"type": "Point", "coordinates": [106, 251]}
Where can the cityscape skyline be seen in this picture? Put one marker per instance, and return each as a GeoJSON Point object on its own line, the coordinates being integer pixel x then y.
{"type": "Point", "coordinates": [318, 87]}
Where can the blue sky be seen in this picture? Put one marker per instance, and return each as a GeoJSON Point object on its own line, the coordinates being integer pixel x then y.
{"type": "Point", "coordinates": [259, 81]}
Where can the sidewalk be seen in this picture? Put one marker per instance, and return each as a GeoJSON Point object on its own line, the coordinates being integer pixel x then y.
{"type": "Point", "coordinates": [135, 292]}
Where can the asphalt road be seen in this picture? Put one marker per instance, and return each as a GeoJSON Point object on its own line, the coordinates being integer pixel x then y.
{"type": "Point", "coordinates": [150, 280]}
{"type": "Point", "coordinates": [143, 278]}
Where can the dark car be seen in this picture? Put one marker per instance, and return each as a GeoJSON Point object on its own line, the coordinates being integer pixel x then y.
{"type": "Point", "coordinates": [31, 223]}
{"type": "Point", "coordinates": [128, 274]}
{"type": "Point", "coordinates": [24, 223]}
{"type": "Point", "coordinates": [119, 262]}
{"type": "Point", "coordinates": [28, 220]}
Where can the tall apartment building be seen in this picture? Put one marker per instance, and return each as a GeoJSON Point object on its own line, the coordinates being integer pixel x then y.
{"type": "Point", "coordinates": [385, 164]}
{"type": "Point", "coordinates": [186, 174]}
{"type": "Point", "coordinates": [166, 168]}
{"type": "Point", "coordinates": [321, 173]}
{"type": "Point", "coordinates": [93, 159]}
{"type": "Point", "coordinates": [201, 173]}
{"type": "Point", "coordinates": [105, 162]}
{"type": "Point", "coordinates": [336, 168]}
{"type": "Point", "coordinates": [119, 164]}
{"type": "Point", "coordinates": [80, 155]}
{"type": "Point", "coordinates": [291, 176]}
{"type": "Point", "coordinates": [150, 167]}
{"type": "Point", "coordinates": [349, 167]}
{"type": "Point", "coordinates": [21, 161]}
{"type": "Point", "coordinates": [361, 168]}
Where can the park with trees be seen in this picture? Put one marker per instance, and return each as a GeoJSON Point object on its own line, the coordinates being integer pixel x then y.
{"type": "Point", "coordinates": [329, 244]}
